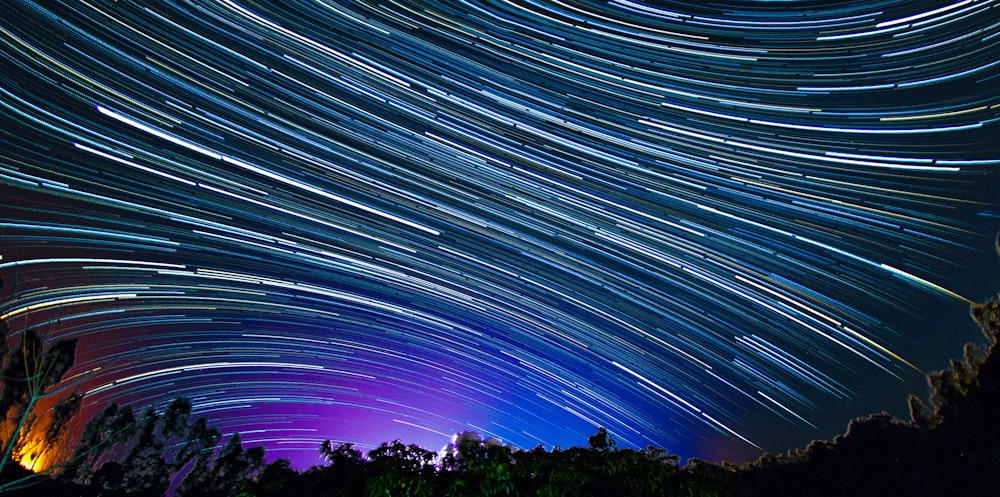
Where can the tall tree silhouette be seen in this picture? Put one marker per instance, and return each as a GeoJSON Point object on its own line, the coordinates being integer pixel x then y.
{"type": "Point", "coordinates": [31, 373]}
{"type": "Point", "coordinates": [139, 455]}
{"type": "Point", "coordinates": [232, 468]}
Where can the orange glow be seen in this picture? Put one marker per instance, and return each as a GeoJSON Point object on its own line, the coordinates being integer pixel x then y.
{"type": "Point", "coordinates": [31, 450]}
{"type": "Point", "coordinates": [33, 454]}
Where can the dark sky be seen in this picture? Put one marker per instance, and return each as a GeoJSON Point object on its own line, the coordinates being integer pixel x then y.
{"type": "Point", "coordinates": [718, 230]}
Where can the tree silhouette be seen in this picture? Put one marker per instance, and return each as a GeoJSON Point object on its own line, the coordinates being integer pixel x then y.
{"type": "Point", "coordinates": [119, 452]}
{"type": "Point", "coordinates": [345, 476]}
{"type": "Point", "coordinates": [401, 470]}
{"type": "Point", "coordinates": [473, 466]}
{"type": "Point", "coordinates": [32, 373]}
{"type": "Point", "coordinates": [232, 469]}
{"type": "Point", "coordinates": [600, 441]}
{"type": "Point", "coordinates": [279, 479]}
{"type": "Point", "coordinates": [951, 448]}
{"type": "Point", "coordinates": [103, 439]}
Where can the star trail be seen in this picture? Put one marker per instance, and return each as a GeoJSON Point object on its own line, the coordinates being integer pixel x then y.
{"type": "Point", "coordinates": [713, 228]}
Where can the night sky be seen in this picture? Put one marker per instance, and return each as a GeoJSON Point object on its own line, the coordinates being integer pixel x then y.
{"type": "Point", "coordinates": [714, 229]}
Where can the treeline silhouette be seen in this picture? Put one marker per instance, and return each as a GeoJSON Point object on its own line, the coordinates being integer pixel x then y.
{"type": "Point", "coordinates": [949, 447]}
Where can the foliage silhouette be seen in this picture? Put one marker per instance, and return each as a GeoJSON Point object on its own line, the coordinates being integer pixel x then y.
{"type": "Point", "coordinates": [950, 448]}
{"type": "Point", "coordinates": [32, 373]}
{"type": "Point", "coordinates": [230, 469]}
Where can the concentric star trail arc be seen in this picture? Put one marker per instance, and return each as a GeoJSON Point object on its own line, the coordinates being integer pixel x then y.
{"type": "Point", "coordinates": [716, 229]}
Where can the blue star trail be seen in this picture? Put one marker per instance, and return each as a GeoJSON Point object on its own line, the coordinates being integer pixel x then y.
{"type": "Point", "coordinates": [715, 229]}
